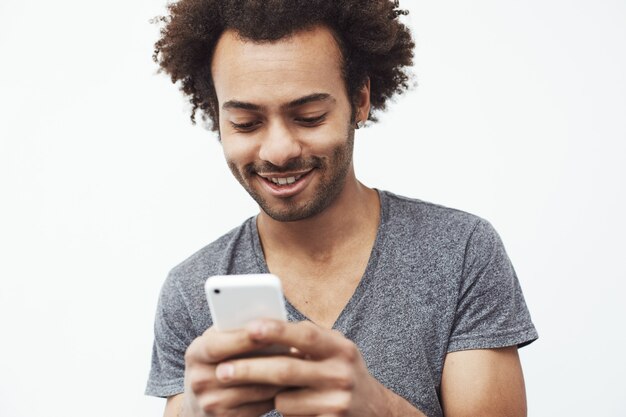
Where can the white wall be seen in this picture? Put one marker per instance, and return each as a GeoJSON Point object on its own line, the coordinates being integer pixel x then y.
{"type": "Point", "coordinates": [520, 117]}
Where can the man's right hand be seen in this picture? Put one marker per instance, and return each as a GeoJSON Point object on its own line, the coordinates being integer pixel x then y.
{"type": "Point", "coordinates": [204, 395]}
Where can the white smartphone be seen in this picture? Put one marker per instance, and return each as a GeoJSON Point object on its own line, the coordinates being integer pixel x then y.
{"type": "Point", "coordinates": [236, 300]}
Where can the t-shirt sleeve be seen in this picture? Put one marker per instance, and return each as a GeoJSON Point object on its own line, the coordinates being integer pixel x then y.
{"type": "Point", "coordinates": [173, 333]}
{"type": "Point", "coordinates": [491, 311]}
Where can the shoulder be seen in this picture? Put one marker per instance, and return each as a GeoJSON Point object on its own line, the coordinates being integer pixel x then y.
{"type": "Point", "coordinates": [215, 258]}
{"type": "Point", "coordinates": [182, 304]}
{"type": "Point", "coordinates": [430, 219]}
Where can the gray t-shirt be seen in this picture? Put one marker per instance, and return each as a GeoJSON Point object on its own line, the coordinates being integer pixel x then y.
{"type": "Point", "coordinates": [438, 280]}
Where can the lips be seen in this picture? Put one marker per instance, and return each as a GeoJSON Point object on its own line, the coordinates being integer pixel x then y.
{"type": "Point", "coordinates": [285, 184]}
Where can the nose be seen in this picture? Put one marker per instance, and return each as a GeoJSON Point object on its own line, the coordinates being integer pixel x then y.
{"type": "Point", "coordinates": [279, 145]}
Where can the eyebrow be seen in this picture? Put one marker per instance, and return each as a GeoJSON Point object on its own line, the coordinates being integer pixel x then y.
{"type": "Point", "coordinates": [236, 104]}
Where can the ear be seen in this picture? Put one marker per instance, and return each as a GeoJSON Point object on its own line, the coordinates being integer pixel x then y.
{"type": "Point", "coordinates": [362, 105]}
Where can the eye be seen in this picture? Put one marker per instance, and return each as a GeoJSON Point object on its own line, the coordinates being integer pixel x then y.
{"type": "Point", "coordinates": [311, 121]}
{"type": "Point", "coordinates": [245, 127]}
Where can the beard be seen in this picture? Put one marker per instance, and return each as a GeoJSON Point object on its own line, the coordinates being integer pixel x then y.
{"type": "Point", "coordinates": [331, 171]}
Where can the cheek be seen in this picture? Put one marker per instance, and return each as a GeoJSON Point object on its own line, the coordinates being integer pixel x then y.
{"type": "Point", "coordinates": [237, 151]}
{"type": "Point", "coordinates": [320, 140]}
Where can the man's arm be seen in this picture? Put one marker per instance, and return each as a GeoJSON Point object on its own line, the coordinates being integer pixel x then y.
{"type": "Point", "coordinates": [484, 382]}
{"type": "Point", "coordinates": [173, 406]}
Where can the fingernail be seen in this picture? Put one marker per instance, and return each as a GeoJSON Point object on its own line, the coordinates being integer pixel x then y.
{"type": "Point", "coordinates": [257, 328]}
{"type": "Point", "coordinates": [225, 371]}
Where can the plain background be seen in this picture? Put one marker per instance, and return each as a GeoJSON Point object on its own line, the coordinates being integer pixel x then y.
{"type": "Point", "coordinates": [519, 116]}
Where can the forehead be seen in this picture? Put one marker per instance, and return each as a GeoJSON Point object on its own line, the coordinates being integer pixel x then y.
{"type": "Point", "coordinates": [267, 73]}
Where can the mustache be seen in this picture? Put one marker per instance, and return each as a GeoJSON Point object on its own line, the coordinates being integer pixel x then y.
{"type": "Point", "coordinates": [299, 164]}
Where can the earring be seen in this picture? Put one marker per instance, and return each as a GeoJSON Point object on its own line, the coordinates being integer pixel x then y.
{"type": "Point", "coordinates": [360, 124]}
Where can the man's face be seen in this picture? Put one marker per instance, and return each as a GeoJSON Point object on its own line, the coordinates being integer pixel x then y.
{"type": "Point", "coordinates": [285, 120]}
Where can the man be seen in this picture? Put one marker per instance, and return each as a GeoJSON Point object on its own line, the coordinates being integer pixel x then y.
{"type": "Point", "coordinates": [397, 307]}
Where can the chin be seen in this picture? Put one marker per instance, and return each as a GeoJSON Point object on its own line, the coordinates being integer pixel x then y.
{"type": "Point", "coordinates": [291, 211]}
{"type": "Point", "coordinates": [287, 211]}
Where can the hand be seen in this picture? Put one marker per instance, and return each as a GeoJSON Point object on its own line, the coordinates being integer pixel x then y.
{"type": "Point", "coordinates": [329, 378]}
{"type": "Point", "coordinates": [205, 395]}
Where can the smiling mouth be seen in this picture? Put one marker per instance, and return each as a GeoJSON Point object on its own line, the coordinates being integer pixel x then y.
{"type": "Point", "coordinates": [283, 181]}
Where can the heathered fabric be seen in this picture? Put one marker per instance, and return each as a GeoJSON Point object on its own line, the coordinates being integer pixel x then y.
{"type": "Point", "coordinates": [438, 280]}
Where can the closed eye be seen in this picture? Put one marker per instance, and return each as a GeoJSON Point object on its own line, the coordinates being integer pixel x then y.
{"type": "Point", "coordinates": [245, 127]}
{"type": "Point", "coordinates": [311, 121]}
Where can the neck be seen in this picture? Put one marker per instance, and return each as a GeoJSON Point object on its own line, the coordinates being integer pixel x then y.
{"type": "Point", "coordinates": [354, 212]}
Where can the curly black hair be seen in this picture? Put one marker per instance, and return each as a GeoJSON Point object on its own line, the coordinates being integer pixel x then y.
{"type": "Point", "coordinates": [373, 42]}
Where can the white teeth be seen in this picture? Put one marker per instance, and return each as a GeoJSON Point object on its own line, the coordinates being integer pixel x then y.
{"type": "Point", "coordinates": [285, 181]}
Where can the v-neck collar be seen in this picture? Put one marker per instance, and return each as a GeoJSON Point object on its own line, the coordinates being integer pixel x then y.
{"type": "Point", "coordinates": [293, 314]}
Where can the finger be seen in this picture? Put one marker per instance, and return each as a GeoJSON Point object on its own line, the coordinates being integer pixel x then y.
{"type": "Point", "coordinates": [234, 397]}
{"type": "Point", "coordinates": [312, 402]}
{"type": "Point", "coordinates": [305, 336]}
{"type": "Point", "coordinates": [215, 346]}
{"type": "Point", "coordinates": [200, 377]}
{"type": "Point", "coordinates": [256, 409]}
{"type": "Point", "coordinates": [285, 371]}
{"type": "Point", "coordinates": [295, 353]}
{"type": "Point", "coordinates": [210, 407]}
{"type": "Point", "coordinates": [309, 415]}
